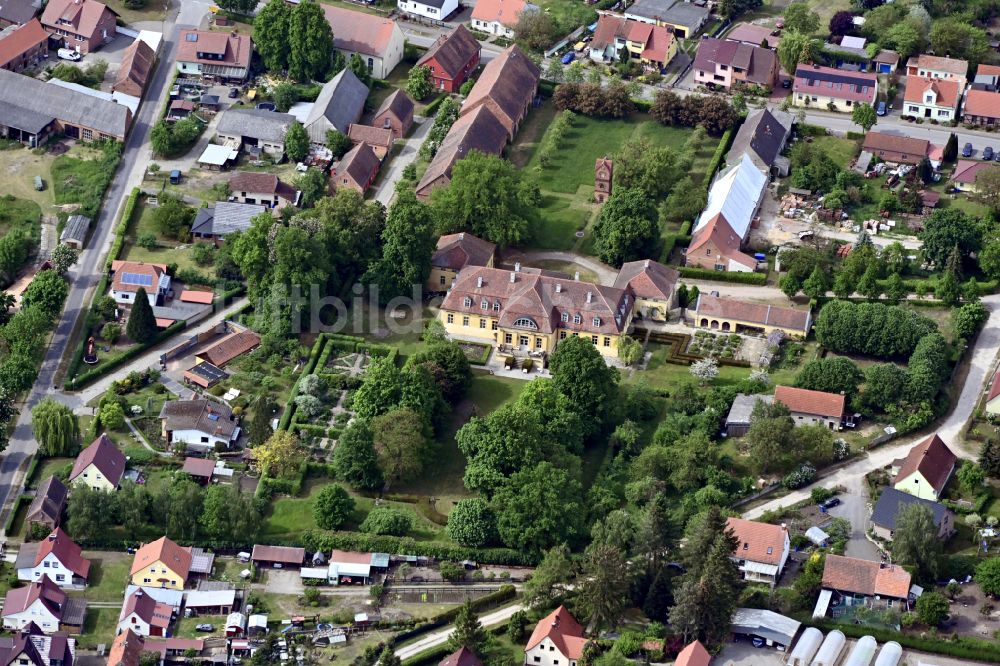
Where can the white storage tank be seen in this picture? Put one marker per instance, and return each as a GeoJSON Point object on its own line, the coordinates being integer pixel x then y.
{"type": "Point", "coordinates": [890, 654]}
{"type": "Point", "coordinates": [863, 652]}
{"type": "Point", "coordinates": [805, 649]}
{"type": "Point", "coordinates": [829, 651]}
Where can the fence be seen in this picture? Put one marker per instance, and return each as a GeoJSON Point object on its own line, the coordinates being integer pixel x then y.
{"type": "Point", "coordinates": [450, 594]}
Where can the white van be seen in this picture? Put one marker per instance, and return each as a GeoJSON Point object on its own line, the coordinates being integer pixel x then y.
{"type": "Point", "coordinates": [69, 54]}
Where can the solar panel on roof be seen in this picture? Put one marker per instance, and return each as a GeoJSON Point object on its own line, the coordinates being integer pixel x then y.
{"type": "Point", "coordinates": [137, 279]}
{"type": "Point", "coordinates": [191, 36]}
{"type": "Point", "coordinates": [213, 417]}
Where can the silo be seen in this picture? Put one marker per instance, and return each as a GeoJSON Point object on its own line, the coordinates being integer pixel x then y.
{"type": "Point", "coordinates": [890, 654]}
{"type": "Point", "coordinates": [829, 651]}
{"type": "Point", "coordinates": [806, 648]}
{"type": "Point", "coordinates": [863, 652]}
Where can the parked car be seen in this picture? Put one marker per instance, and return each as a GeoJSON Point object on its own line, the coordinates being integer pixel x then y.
{"type": "Point", "coordinates": [69, 54]}
{"type": "Point", "coordinates": [205, 627]}
{"type": "Point", "coordinates": [568, 58]}
{"type": "Point", "coordinates": [234, 93]}
{"type": "Point", "coordinates": [996, 156]}
{"type": "Point", "coordinates": [988, 153]}
{"type": "Point", "coordinates": [967, 150]}
{"type": "Point", "coordinates": [830, 503]}
{"type": "Point", "coordinates": [881, 109]}
{"type": "Point", "coordinates": [786, 83]}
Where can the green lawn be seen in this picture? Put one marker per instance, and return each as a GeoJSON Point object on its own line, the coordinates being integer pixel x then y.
{"type": "Point", "coordinates": [661, 374]}
{"type": "Point", "coordinates": [49, 467]}
{"type": "Point", "coordinates": [19, 215]}
{"type": "Point", "coordinates": [167, 251]}
{"type": "Point", "coordinates": [98, 627]}
{"type": "Point", "coordinates": [842, 151]}
{"type": "Point", "coordinates": [109, 574]}
{"type": "Point", "coordinates": [152, 10]}
{"type": "Point", "coordinates": [489, 392]}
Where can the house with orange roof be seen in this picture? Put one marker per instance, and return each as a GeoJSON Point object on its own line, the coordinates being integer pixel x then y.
{"type": "Point", "coordinates": [810, 407]}
{"type": "Point", "coordinates": [127, 277]}
{"type": "Point", "coordinates": [57, 556]}
{"type": "Point", "coordinates": [932, 98]}
{"type": "Point", "coordinates": [649, 44]}
{"type": "Point", "coordinates": [653, 287]}
{"type": "Point", "coordinates": [761, 550]}
{"type": "Point", "coordinates": [161, 563]}
{"type": "Point", "coordinates": [693, 654]}
{"type": "Point", "coordinates": [81, 25]}
{"type": "Point", "coordinates": [24, 46]}
{"type": "Point", "coordinates": [557, 640]}
{"type": "Point", "coordinates": [377, 40]}
{"type": "Point", "coordinates": [499, 17]}
{"type": "Point", "coordinates": [506, 87]}
{"type": "Point", "coordinates": [225, 55]}
{"type": "Point", "coordinates": [126, 649]}
{"type": "Point", "coordinates": [855, 582]}
{"type": "Point", "coordinates": [981, 107]}
{"type": "Point", "coordinates": [926, 469]}
{"type": "Point", "coordinates": [453, 253]}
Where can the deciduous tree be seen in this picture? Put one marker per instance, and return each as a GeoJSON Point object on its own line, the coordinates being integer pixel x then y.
{"type": "Point", "coordinates": [550, 578]}
{"type": "Point", "coordinates": [472, 523]}
{"type": "Point", "coordinates": [800, 18]}
{"type": "Point", "coordinates": [408, 242]}
{"type": "Point", "coordinates": [538, 508]}
{"type": "Point", "coordinates": [56, 428]}
{"type": "Point", "coordinates": [401, 444]}
{"type": "Point", "coordinates": [580, 373]}
{"type": "Point", "coordinates": [354, 458]}
{"type": "Point", "coordinates": [332, 507]}
{"type": "Point", "coordinates": [296, 142]}
{"type": "Point", "coordinates": [309, 43]}
{"type": "Point", "coordinates": [418, 82]}
{"type": "Point", "coordinates": [915, 541]}
{"type": "Point", "coordinates": [280, 455]}
{"type": "Point", "coordinates": [627, 228]}
{"type": "Point", "coordinates": [863, 113]}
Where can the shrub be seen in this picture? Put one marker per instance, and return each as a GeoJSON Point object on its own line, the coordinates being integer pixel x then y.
{"type": "Point", "coordinates": [387, 521]}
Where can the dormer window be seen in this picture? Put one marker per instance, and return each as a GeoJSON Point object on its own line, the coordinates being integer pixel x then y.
{"type": "Point", "coordinates": [564, 317]}
{"type": "Point", "coordinates": [484, 304]}
{"type": "Point", "coordinates": [467, 301]}
{"type": "Point", "coordinates": [577, 319]}
{"type": "Point", "coordinates": [496, 306]}
{"type": "Point", "coordinates": [524, 322]}
{"type": "Point", "coordinates": [597, 321]}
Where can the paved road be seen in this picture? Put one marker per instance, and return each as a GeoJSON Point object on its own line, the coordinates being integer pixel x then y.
{"type": "Point", "coordinates": [856, 510]}
{"type": "Point", "coordinates": [387, 188]}
{"type": "Point", "coordinates": [438, 637]}
{"type": "Point", "coordinates": [983, 361]}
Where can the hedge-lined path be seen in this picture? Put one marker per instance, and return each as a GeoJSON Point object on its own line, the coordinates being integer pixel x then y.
{"type": "Point", "coordinates": [439, 637]}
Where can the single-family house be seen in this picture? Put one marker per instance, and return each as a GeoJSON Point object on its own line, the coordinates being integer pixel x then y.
{"type": "Point", "coordinates": [810, 407]}
{"type": "Point", "coordinates": [463, 656]}
{"type": "Point", "coordinates": [724, 225]}
{"type": "Point", "coordinates": [479, 130]}
{"type": "Point", "coordinates": [199, 424]}
{"type": "Point", "coordinates": [378, 139]}
{"type": "Point", "coordinates": [339, 104]}
{"type": "Point", "coordinates": [557, 640]}
{"type": "Point", "coordinates": [24, 46]}
{"type": "Point", "coordinates": [161, 563]}
{"type": "Point", "coordinates": [220, 55]}
{"type": "Point", "coordinates": [126, 649]}
{"type": "Point", "coordinates": [756, 35]}
{"type": "Point", "coordinates": [738, 419]}
{"type": "Point", "coordinates": [499, 17]}
{"type": "Point", "coordinates": [724, 63]}
{"type": "Point", "coordinates": [926, 469]}
{"type": "Point", "coordinates": [648, 44]}
{"type": "Point", "coordinates": [453, 253]}
{"type": "Point", "coordinates": [266, 189]}
{"type": "Point", "coordinates": [684, 19]}
{"type": "Point", "coordinates": [396, 114]}
{"type": "Point", "coordinates": [729, 314]}
{"type": "Point", "coordinates": [653, 287]}
{"type": "Point", "coordinates": [507, 87]}
{"type": "Point", "coordinates": [356, 170]}
{"type": "Point", "coordinates": [376, 39]}
{"type": "Point", "coordinates": [762, 137]}
{"type": "Point", "coordinates": [144, 615]}
{"type": "Point", "coordinates": [829, 88]}
{"type": "Point", "coordinates": [254, 129]}
{"type": "Point", "coordinates": [225, 217]}
{"type": "Point", "coordinates": [127, 277]}
{"type": "Point", "coordinates": [232, 346]}
{"type": "Point", "coordinates": [981, 107]}
{"type": "Point", "coordinates": [277, 557]}
{"type": "Point", "coordinates": [31, 647]}
{"type": "Point", "coordinates": [56, 556]}
{"type": "Point", "coordinates": [892, 501]}
{"type": "Point", "coordinates": [937, 67]}
{"type": "Point", "coordinates": [437, 10]}
{"type": "Point", "coordinates": [100, 466]}
{"type": "Point", "coordinates": [135, 70]}
{"type": "Point", "coordinates": [47, 506]}
{"type": "Point", "coordinates": [932, 98]}
{"type": "Point", "coordinates": [81, 25]}
{"type": "Point", "coordinates": [895, 148]}
{"type": "Point", "coordinates": [18, 12]}
{"type": "Point", "coordinates": [762, 549]}
{"type": "Point", "coordinates": [856, 582]}
{"type": "Point", "coordinates": [451, 58]}
{"type": "Point", "coordinates": [967, 172]}
{"type": "Point", "coordinates": [43, 604]}
{"type": "Point", "coordinates": [693, 654]}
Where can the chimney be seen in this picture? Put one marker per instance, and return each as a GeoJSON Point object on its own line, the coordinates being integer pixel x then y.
{"type": "Point", "coordinates": [590, 295]}
{"type": "Point", "coordinates": [461, 236]}
{"type": "Point", "coordinates": [558, 288]}
{"type": "Point", "coordinates": [784, 527]}
{"type": "Point", "coordinates": [513, 277]}
{"type": "Point", "coordinates": [517, 266]}
{"type": "Point", "coordinates": [576, 276]}
{"type": "Point", "coordinates": [479, 282]}
{"type": "Point", "coordinates": [52, 537]}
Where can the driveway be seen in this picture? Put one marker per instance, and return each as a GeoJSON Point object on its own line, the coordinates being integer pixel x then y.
{"type": "Point", "coordinates": [855, 508]}
{"type": "Point", "coordinates": [439, 637]}
{"type": "Point", "coordinates": [387, 188]}
{"type": "Point", "coordinates": [604, 273]}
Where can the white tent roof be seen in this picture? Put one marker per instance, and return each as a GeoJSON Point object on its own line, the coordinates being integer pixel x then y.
{"type": "Point", "coordinates": [217, 155]}
{"type": "Point", "coordinates": [761, 568]}
{"type": "Point", "coordinates": [817, 536]}
{"type": "Point", "coordinates": [822, 604]}
{"type": "Point", "coordinates": [735, 194]}
{"type": "Point", "coordinates": [319, 573]}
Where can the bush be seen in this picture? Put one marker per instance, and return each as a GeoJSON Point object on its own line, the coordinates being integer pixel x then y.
{"type": "Point", "coordinates": [387, 521]}
{"type": "Point", "coordinates": [693, 273]}
{"type": "Point", "coordinates": [803, 476]}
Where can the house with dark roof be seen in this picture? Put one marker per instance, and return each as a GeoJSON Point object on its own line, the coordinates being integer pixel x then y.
{"type": "Point", "coordinates": [810, 407]}
{"type": "Point", "coordinates": [453, 253]}
{"type": "Point", "coordinates": [200, 469]}
{"type": "Point", "coordinates": [932, 98]}
{"type": "Point", "coordinates": [737, 421]}
{"type": "Point", "coordinates": [81, 25]}
{"type": "Point", "coordinates": [42, 603]}
{"type": "Point", "coordinates": [981, 107]}
{"type": "Point", "coordinates": [356, 170]}
{"type": "Point", "coordinates": [246, 129]}
{"type": "Point", "coordinates": [265, 189]}
{"type": "Point", "coordinates": [557, 640]}
{"type": "Point", "coordinates": [18, 12]}
{"type": "Point", "coordinates": [437, 10]}
{"type": "Point", "coordinates": [463, 656]}
{"type": "Point", "coordinates": [222, 55]}
{"type": "Point", "coordinates": [144, 615]}
{"type": "Point", "coordinates": [31, 647]}
{"type": "Point", "coordinates": [339, 103]}
{"type": "Point", "coordinates": [396, 114]}
{"type": "Point", "coordinates": [161, 563]}
{"type": "Point", "coordinates": [897, 149]}
{"type": "Point", "coordinates": [653, 287]}
{"type": "Point", "coordinates": [135, 70]}
{"type": "Point", "coordinates": [892, 501]}
{"type": "Point", "coordinates": [507, 87]}
{"type": "Point", "coordinates": [100, 466]}
{"type": "Point", "coordinates": [724, 63]}
{"type": "Point", "coordinates": [829, 88]}
{"type": "Point", "coordinates": [856, 582]}
{"type": "Point", "coordinates": [56, 556]}
{"type": "Point", "coordinates": [126, 649]}
{"type": "Point", "coordinates": [451, 58]}
{"type": "Point", "coordinates": [761, 551]}
{"type": "Point", "coordinates": [204, 375]}
{"type": "Point", "coordinates": [200, 425]}
{"type": "Point", "coordinates": [225, 217]}
{"type": "Point", "coordinates": [47, 506]}
{"type": "Point", "coordinates": [684, 19]}
{"type": "Point", "coordinates": [478, 130]}
{"type": "Point", "coordinates": [967, 172]}
{"type": "Point", "coordinates": [75, 232]}
{"type": "Point", "coordinates": [926, 469]}
{"type": "Point", "coordinates": [377, 40]}
{"type": "Point", "coordinates": [23, 47]}
{"type": "Point", "coordinates": [379, 139]}
{"type": "Point", "coordinates": [762, 137]}
{"type": "Point", "coordinates": [732, 315]}
{"type": "Point", "coordinates": [648, 44]}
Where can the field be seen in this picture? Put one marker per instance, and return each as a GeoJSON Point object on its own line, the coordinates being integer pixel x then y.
{"type": "Point", "coordinates": [82, 179]}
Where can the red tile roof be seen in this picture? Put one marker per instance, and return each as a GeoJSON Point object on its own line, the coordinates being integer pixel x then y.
{"type": "Point", "coordinates": [655, 40]}
{"type": "Point", "coordinates": [283, 554]}
{"type": "Point", "coordinates": [508, 82]}
{"type": "Point", "coordinates": [230, 347]}
{"type": "Point", "coordinates": [977, 103]}
{"type": "Point", "coordinates": [22, 39]}
{"type": "Point", "coordinates": [119, 268]}
{"type": "Point", "coordinates": [563, 630]}
{"type": "Point", "coordinates": [373, 136]}
{"type": "Point", "coordinates": [752, 34]}
{"type": "Point", "coordinates": [456, 251]}
{"type": "Point", "coordinates": [453, 51]}
{"type": "Point", "coordinates": [349, 557]}
{"type": "Point", "coordinates": [126, 649]}
{"type": "Point", "coordinates": [994, 387]}
{"type": "Point", "coordinates": [752, 313]}
{"type": "Point", "coordinates": [360, 164]}
{"type": "Point", "coordinates": [163, 550]}
{"type": "Point", "coordinates": [806, 401]}
{"type": "Point", "coordinates": [506, 12]}
{"type": "Point", "coordinates": [694, 654]}
{"type": "Point", "coordinates": [648, 279]}
{"type": "Point", "coordinates": [835, 83]}
{"type": "Point", "coordinates": [951, 66]}
{"type": "Point", "coordinates": [200, 467]}
{"type": "Point", "coordinates": [850, 574]}
{"type": "Point", "coordinates": [966, 171]}
{"type": "Point", "coordinates": [44, 589]}
{"type": "Point", "coordinates": [105, 456]}
{"type": "Point", "coordinates": [461, 657]}
{"type": "Point", "coordinates": [147, 609]}
{"type": "Point", "coordinates": [65, 550]}
{"type": "Point", "coordinates": [359, 32]}
{"type": "Point", "coordinates": [726, 240]}
{"type": "Point", "coordinates": [261, 183]}
{"type": "Point", "coordinates": [234, 49]}
{"type": "Point", "coordinates": [194, 296]}
{"type": "Point", "coordinates": [894, 146]}
{"type": "Point", "coordinates": [758, 542]}
{"type": "Point", "coordinates": [947, 92]}
{"type": "Point", "coordinates": [137, 64]}
{"type": "Point", "coordinates": [758, 63]}
{"type": "Point", "coordinates": [82, 15]}
{"type": "Point", "coordinates": [933, 459]}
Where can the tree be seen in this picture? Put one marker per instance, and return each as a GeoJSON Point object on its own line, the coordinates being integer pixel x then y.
{"type": "Point", "coordinates": [418, 82]}
{"type": "Point", "coordinates": [284, 96]}
{"type": "Point", "coordinates": [987, 190]}
{"type": "Point", "coordinates": [971, 477]}
{"type": "Point", "coordinates": [799, 18]}
{"type": "Point", "coordinates": [959, 39]}
{"type": "Point", "coordinates": [730, 9]}
{"type": "Point", "coordinates": [449, 366]}
{"type": "Point", "coordinates": [332, 507]}
{"type": "Point", "coordinates": [580, 373]}
{"type": "Point", "coordinates": [46, 293]}
{"type": "Point", "coordinates": [871, 329]}
{"type": "Point", "coordinates": [63, 257]}
{"type": "Point", "coordinates": [487, 196]}
{"type": "Point", "coordinates": [384, 520]}
{"type": "Point", "coordinates": [279, 456]}
{"type": "Point", "coordinates": [296, 142]}
{"type": "Point", "coordinates": [357, 65]}
{"type": "Point", "coordinates": [989, 458]}
{"type": "Point", "coordinates": [536, 30]}
{"type": "Point", "coordinates": [949, 288]}
{"type": "Point", "coordinates": [831, 375]}
{"type": "Point", "coordinates": [228, 514]}
{"type": "Point", "coordinates": [915, 541]}
{"type": "Point", "coordinates": [653, 169]}
{"type": "Point", "coordinates": [555, 71]}
{"type": "Point", "coordinates": [603, 592]}
{"type": "Point", "coordinates": [793, 49]}
{"type": "Point", "coordinates": [550, 577]}
{"type": "Point", "coordinates": [769, 435]}
{"type": "Point", "coordinates": [969, 318]}
{"type": "Point", "coordinates": [112, 416]}
{"type": "Point", "coordinates": [988, 576]}
{"type": "Point", "coordinates": [313, 185]}
{"type": "Point", "coordinates": [111, 332]}
{"type": "Point", "coordinates": [472, 523]}
{"type": "Point", "coordinates": [185, 500]}
{"type": "Point", "coordinates": [684, 202]}
{"type": "Point", "coordinates": [574, 73]}
{"type": "Point", "coordinates": [259, 428]}
{"type": "Point", "coordinates": [88, 511]}
{"type": "Point", "coordinates": [629, 350]}
{"type": "Point", "coordinates": [627, 228]}
{"type": "Point", "coordinates": [386, 388]}
{"type": "Point", "coordinates": [172, 217]}
{"type": "Point", "coordinates": [708, 593]}
{"type": "Point", "coordinates": [951, 148]}
{"type": "Point", "coordinates": [56, 428]}
{"type": "Point", "coordinates": [338, 143]}
{"type": "Point", "coordinates": [863, 113]}
{"type": "Point", "coordinates": [400, 444]}
{"type": "Point", "coordinates": [841, 23]}
{"type": "Point", "coordinates": [388, 657]}
{"type": "Point", "coordinates": [141, 326]}
{"type": "Point", "coordinates": [468, 632]}
{"type": "Point", "coordinates": [946, 229]}
{"type": "Point", "coordinates": [408, 241]}
{"type": "Point", "coordinates": [815, 285]}
{"type": "Point", "coordinates": [309, 42]}
{"type": "Point", "coordinates": [885, 384]}
{"type": "Point", "coordinates": [538, 508]}
{"type": "Point", "coordinates": [244, 7]}
{"type": "Point", "coordinates": [354, 457]}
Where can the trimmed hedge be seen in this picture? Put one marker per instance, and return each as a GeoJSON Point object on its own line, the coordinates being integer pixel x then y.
{"type": "Point", "coordinates": [484, 353]}
{"type": "Point", "coordinates": [719, 155]}
{"type": "Point", "coordinates": [356, 541]}
{"type": "Point", "coordinates": [29, 476]}
{"type": "Point", "coordinates": [18, 503]}
{"type": "Point", "coordinates": [693, 273]}
{"type": "Point", "coordinates": [79, 382]}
